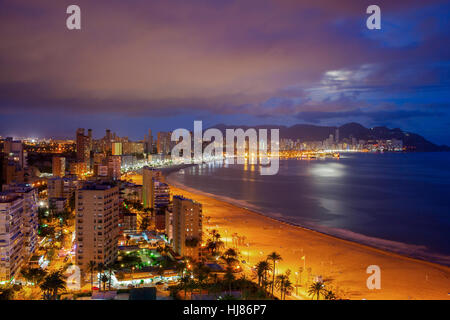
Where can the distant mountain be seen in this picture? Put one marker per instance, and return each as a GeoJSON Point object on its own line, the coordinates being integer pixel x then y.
{"type": "Point", "coordinates": [307, 132]}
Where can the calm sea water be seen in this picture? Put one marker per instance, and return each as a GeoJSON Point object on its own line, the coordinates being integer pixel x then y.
{"type": "Point", "coordinates": [394, 201]}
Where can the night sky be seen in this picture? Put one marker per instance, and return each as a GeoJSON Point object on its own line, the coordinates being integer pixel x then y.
{"type": "Point", "coordinates": [160, 64]}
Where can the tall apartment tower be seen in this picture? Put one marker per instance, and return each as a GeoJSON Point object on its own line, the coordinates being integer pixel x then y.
{"type": "Point", "coordinates": [97, 223]}
{"type": "Point", "coordinates": [83, 148]}
{"type": "Point", "coordinates": [147, 185]}
{"type": "Point", "coordinates": [160, 194]}
{"type": "Point", "coordinates": [164, 143]}
{"type": "Point", "coordinates": [114, 165]}
{"type": "Point", "coordinates": [107, 141]}
{"type": "Point", "coordinates": [149, 142]}
{"type": "Point", "coordinates": [80, 139]}
{"type": "Point", "coordinates": [14, 149]}
{"type": "Point", "coordinates": [187, 227]}
{"type": "Point", "coordinates": [29, 214]}
{"type": "Point", "coordinates": [59, 166]}
{"type": "Point", "coordinates": [11, 235]}
{"type": "Point", "coordinates": [90, 140]}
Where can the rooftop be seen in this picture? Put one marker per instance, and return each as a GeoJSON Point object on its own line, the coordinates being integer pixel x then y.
{"type": "Point", "coordinates": [98, 186]}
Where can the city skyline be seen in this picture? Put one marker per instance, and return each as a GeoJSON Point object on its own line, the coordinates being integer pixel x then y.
{"type": "Point", "coordinates": [149, 66]}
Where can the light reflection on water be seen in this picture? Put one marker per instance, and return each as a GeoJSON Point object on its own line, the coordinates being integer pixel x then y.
{"type": "Point", "coordinates": [400, 197]}
{"type": "Point", "coordinates": [329, 169]}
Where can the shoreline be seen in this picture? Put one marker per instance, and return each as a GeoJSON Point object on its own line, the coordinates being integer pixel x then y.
{"type": "Point", "coordinates": [417, 256]}
{"type": "Point", "coordinates": [435, 282]}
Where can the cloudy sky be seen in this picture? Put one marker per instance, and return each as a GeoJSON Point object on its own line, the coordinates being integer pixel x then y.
{"type": "Point", "coordinates": [161, 64]}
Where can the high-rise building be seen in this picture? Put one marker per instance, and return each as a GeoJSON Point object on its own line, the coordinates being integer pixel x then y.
{"type": "Point", "coordinates": [107, 141]}
{"type": "Point", "coordinates": [164, 143]}
{"type": "Point", "coordinates": [337, 135]}
{"type": "Point", "coordinates": [116, 148]}
{"type": "Point", "coordinates": [90, 140]}
{"type": "Point", "coordinates": [29, 214]}
{"type": "Point", "coordinates": [11, 236]}
{"type": "Point", "coordinates": [149, 142]}
{"type": "Point", "coordinates": [58, 187]}
{"type": "Point", "coordinates": [14, 150]}
{"type": "Point", "coordinates": [160, 219]}
{"type": "Point", "coordinates": [83, 148]}
{"type": "Point", "coordinates": [169, 223]}
{"type": "Point", "coordinates": [97, 223]}
{"type": "Point", "coordinates": [147, 184]}
{"type": "Point", "coordinates": [78, 168]}
{"type": "Point", "coordinates": [80, 140]}
{"type": "Point", "coordinates": [114, 166]}
{"type": "Point", "coordinates": [187, 227]}
{"type": "Point", "coordinates": [160, 194]}
{"type": "Point", "coordinates": [59, 166]}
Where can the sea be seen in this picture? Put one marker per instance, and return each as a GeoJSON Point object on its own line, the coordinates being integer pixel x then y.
{"type": "Point", "coordinates": [393, 201]}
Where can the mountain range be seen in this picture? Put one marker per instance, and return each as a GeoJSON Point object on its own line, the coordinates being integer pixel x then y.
{"type": "Point", "coordinates": [307, 132]}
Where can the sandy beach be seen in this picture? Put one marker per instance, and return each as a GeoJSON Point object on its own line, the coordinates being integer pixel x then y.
{"type": "Point", "coordinates": [341, 261]}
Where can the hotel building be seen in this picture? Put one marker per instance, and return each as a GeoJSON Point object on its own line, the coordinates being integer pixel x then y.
{"type": "Point", "coordinates": [97, 223]}
{"type": "Point", "coordinates": [147, 185]}
{"type": "Point", "coordinates": [29, 215]}
{"type": "Point", "coordinates": [187, 226]}
{"type": "Point", "coordinates": [83, 147]}
{"type": "Point", "coordinates": [11, 236]}
{"type": "Point", "coordinates": [61, 187]}
{"type": "Point", "coordinates": [59, 166]}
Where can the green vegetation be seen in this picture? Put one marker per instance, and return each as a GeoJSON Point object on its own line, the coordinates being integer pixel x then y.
{"type": "Point", "coordinates": [52, 283]}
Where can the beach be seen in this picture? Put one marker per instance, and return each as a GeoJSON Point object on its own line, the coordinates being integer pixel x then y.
{"type": "Point", "coordinates": [342, 263]}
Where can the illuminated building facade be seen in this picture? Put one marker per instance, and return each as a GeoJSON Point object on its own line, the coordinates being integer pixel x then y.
{"type": "Point", "coordinates": [187, 227]}
{"type": "Point", "coordinates": [147, 185]}
{"type": "Point", "coordinates": [11, 235]}
{"type": "Point", "coordinates": [59, 166]}
{"type": "Point", "coordinates": [97, 223]}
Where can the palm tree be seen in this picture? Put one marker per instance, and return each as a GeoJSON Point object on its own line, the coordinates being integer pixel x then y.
{"type": "Point", "coordinates": [201, 272]}
{"type": "Point", "coordinates": [274, 257]}
{"type": "Point", "coordinates": [284, 285]}
{"type": "Point", "coordinates": [279, 283]}
{"type": "Point", "coordinates": [92, 267]}
{"type": "Point", "coordinates": [104, 279]}
{"type": "Point", "coordinates": [180, 267]}
{"type": "Point", "coordinates": [33, 275]}
{"type": "Point", "coordinates": [262, 268]}
{"type": "Point", "coordinates": [229, 278]}
{"type": "Point", "coordinates": [214, 243]}
{"type": "Point", "coordinates": [316, 289]}
{"type": "Point", "coordinates": [288, 287]}
{"type": "Point", "coordinates": [110, 267]}
{"type": "Point", "coordinates": [230, 257]}
{"type": "Point", "coordinates": [6, 293]}
{"type": "Point", "coordinates": [329, 295]}
{"type": "Point", "coordinates": [52, 283]}
{"type": "Point", "coordinates": [185, 284]}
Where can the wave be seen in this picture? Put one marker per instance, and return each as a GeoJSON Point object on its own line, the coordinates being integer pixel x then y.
{"type": "Point", "coordinates": [421, 252]}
